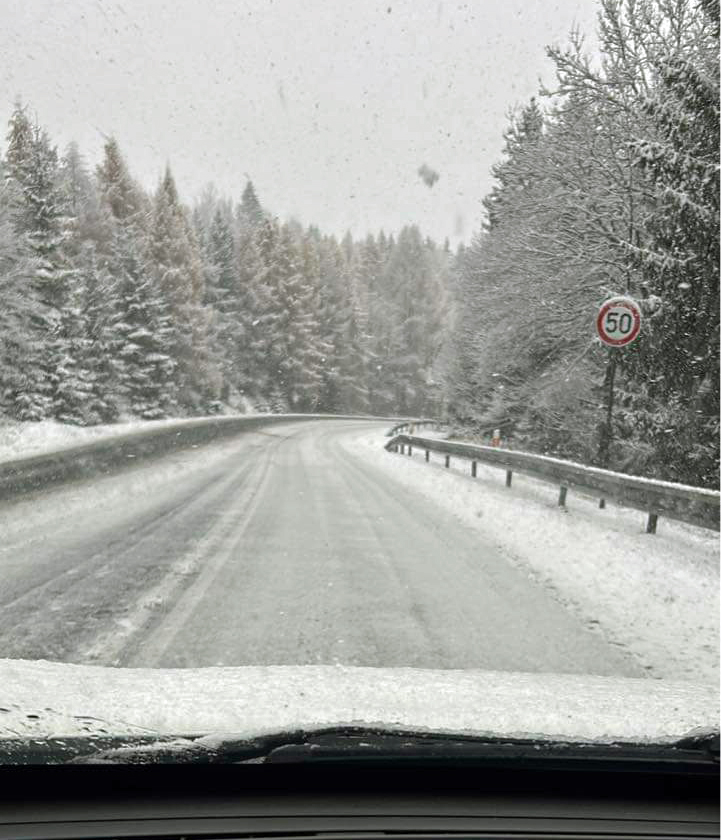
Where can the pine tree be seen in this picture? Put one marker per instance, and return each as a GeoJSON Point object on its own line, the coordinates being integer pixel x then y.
{"type": "Point", "coordinates": [75, 378]}
{"type": "Point", "coordinates": [344, 387]}
{"type": "Point", "coordinates": [287, 331]}
{"type": "Point", "coordinates": [413, 294]}
{"type": "Point", "coordinates": [249, 211]}
{"type": "Point", "coordinates": [222, 295]}
{"type": "Point", "coordinates": [97, 296]}
{"type": "Point", "coordinates": [32, 176]}
{"type": "Point", "coordinates": [86, 222]}
{"type": "Point", "coordinates": [17, 353]}
{"type": "Point", "coordinates": [140, 333]}
{"type": "Point", "coordinates": [514, 173]}
{"type": "Point", "coordinates": [176, 267]}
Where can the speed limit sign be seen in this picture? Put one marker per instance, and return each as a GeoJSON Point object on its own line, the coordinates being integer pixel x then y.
{"type": "Point", "coordinates": [618, 321]}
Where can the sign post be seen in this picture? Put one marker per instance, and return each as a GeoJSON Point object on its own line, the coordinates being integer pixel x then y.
{"type": "Point", "coordinates": [618, 323]}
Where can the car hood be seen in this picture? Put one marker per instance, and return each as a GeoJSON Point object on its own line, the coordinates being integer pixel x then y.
{"type": "Point", "coordinates": [50, 699]}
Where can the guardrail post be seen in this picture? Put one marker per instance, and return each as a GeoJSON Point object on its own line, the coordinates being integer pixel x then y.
{"type": "Point", "coordinates": [448, 460]}
{"type": "Point", "coordinates": [651, 524]}
{"type": "Point", "coordinates": [403, 449]}
{"type": "Point", "coordinates": [562, 496]}
{"type": "Point", "coordinates": [428, 454]}
{"type": "Point", "coordinates": [474, 467]}
{"type": "Point", "coordinates": [509, 476]}
{"type": "Point", "coordinates": [602, 503]}
{"type": "Point", "coordinates": [410, 449]}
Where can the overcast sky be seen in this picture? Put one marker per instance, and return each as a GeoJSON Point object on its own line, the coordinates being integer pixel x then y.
{"type": "Point", "coordinates": [329, 106]}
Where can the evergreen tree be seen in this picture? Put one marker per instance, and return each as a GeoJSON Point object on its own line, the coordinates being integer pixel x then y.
{"type": "Point", "coordinates": [17, 353]}
{"type": "Point", "coordinates": [222, 295]}
{"type": "Point", "coordinates": [514, 173]}
{"type": "Point", "coordinates": [675, 365]}
{"type": "Point", "coordinates": [176, 267]}
{"type": "Point", "coordinates": [249, 211]}
{"type": "Point", "coordinates": [344, 387]}
{"type": "Point", "coordinates": [32, 176]}
{"type": "Point", "coordinates": [287, 327]}
{"type": "Point", "coordinates": [249, 355]}
{"type": "Point", "coordinates": [140, 332]}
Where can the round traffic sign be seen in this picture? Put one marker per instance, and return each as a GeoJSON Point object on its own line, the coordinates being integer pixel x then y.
{"type": "Point", "coordinates": [618, 321]}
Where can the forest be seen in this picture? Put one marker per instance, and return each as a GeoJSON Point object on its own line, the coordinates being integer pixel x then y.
{"type": "Point", "coordinates": [116, 302]}
{"type": "Point", "coordinates": [609, 184]}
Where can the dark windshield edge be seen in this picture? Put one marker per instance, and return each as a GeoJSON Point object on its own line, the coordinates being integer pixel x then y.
{"type": "Point", "coordinates": [699, 748]}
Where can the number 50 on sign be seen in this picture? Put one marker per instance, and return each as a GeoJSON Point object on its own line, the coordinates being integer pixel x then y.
{"type": "Point", "coordinates": [618, 321]}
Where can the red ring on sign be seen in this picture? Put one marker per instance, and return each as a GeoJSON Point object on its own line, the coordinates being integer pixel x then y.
{"type": "Point", "coordinates": [633, 311]}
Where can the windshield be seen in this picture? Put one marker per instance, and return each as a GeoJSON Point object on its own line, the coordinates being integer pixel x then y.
{"type": "Point", "coordinates": [359, 366]}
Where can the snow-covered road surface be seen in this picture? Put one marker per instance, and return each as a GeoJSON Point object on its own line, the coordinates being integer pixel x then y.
{"type": "Point", "coordinates": [284, 547]}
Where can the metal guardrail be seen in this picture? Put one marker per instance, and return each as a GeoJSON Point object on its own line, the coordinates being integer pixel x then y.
{"type": "Point", "coordinates": [693, 505]}
{"type": "Point", "coordinates": [412, 425]}
{"type": "Point", "coordinates": [108, 455]}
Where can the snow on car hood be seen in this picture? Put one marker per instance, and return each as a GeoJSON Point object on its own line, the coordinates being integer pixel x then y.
{"type": "Point", "coordinates": [42, 699]}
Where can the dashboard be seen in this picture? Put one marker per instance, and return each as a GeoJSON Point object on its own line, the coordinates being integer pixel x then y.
{"type": "Point", "coordinates": [352, 802]}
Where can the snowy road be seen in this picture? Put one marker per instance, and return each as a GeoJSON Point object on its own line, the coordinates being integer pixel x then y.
{"type": "Point", "coordinates": [281, 547]}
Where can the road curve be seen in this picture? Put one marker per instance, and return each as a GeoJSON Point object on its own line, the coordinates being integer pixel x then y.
{"type": "Point", "coordinates": [278, 548]}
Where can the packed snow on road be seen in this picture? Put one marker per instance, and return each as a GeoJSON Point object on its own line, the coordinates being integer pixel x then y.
{"type": "Point", "coordinates": [655, 595]}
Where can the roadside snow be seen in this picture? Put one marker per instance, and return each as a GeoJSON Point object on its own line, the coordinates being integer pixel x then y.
{"type": "Point", "coordinates": [41, 699]}
{"type": "Point", "coordinates": [657, 594]}
{"type": "Point", "coordinates": [23, 440]}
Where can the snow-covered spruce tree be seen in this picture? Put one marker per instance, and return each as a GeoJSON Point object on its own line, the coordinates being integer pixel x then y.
{"type": "Point", "coordinates": [73, 392]}
{"type": "Point", "coordinates": [489, 284]}
{"type": "Point", "coordinates": [141, 334]}
{"type": "Point", "coordinates": [95, 294]}
{"type": "Point", "coordinates": [325, 328]}
{"type": "Point", "coordinates": [286, 333]}
{"type": "Point", "coordinates": [17, 354]}
{"type": "Point", "coordinates": [222, 297]}
{"type": "Point", "coordinates": [511, 175]}
{"type": "Point", "coordinates": [415, 303]}
{"type": "Point", "coordinates": [250, 211]}
{"type": "Point", "coordinates": [300, 355]}
{"type": "Point", "coordinates": [176, 268]}
{"type": "Point", "coordinates": [32, 177]}
{"type": "Point", "coordinates": [362, 286]}
{"type": "Point", "coordinates": [249, 355]}
{"type": "Point", "coordinates": [344, 371]}
{"type": "Point", "coordinates": [86, 219]}
{"type": "Point", "coordinates": [89, 386]}
{"type": "Point", "coordinates": [379, 319]}
{"type": "Point", "coordinates": [149, 336]}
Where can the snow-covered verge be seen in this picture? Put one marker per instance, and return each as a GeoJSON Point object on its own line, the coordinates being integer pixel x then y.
{"type": "Point", "coordinates": [657, 595]}
{"type": "Point", "coordinates": [23, 440]}
{"type": "Point", "coordinates": [40, 699]}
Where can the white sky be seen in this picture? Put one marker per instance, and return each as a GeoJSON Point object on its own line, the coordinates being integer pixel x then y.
{"type": "Point", "coordinates": [330, 106]}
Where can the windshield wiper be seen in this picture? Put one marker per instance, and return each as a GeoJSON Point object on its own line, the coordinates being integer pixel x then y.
{"type": "Point", "coordinates": [696, 752]}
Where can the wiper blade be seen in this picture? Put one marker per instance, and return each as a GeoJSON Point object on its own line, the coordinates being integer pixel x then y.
{"type": "Point", "coordinates": [356, 744]}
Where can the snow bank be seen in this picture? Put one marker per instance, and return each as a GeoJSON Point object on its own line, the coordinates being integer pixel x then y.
{"type": "Point", "coordinates": [40, 699]}
{"type": "Point", "coordinates": [23, 440]}
{"type": "Point", "coordinates": [657, 595]}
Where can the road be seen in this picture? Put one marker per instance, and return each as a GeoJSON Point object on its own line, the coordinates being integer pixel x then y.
{"type": "Point", "coordinates": [281, 547]}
